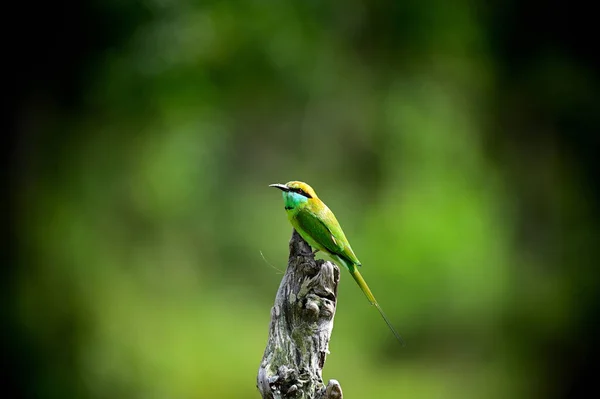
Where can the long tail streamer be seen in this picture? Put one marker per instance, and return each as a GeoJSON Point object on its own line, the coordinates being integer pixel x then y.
{"type": "Point", "coordinates": [365, 288]}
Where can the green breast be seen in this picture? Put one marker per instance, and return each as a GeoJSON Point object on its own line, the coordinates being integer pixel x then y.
{"type": "Point", "coordinates": [305, 234]}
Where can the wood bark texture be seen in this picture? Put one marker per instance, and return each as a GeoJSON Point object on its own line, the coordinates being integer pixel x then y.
{"type": "Point", "coordinates": [301, 324]}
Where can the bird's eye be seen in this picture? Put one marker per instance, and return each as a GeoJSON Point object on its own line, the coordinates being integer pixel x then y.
{"type": "Point", "coordinates": [302, 192]}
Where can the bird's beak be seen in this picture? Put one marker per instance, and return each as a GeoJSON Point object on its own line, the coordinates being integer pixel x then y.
{"type": "Point", "coordinates": [282, 187]}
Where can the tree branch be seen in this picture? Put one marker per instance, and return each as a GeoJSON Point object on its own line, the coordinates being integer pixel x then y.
{"type": "Point", "coordinates": [301, 324]}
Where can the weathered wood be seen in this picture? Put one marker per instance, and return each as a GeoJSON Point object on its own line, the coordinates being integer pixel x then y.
{"type": "Point", "coordinates": [301, 324]}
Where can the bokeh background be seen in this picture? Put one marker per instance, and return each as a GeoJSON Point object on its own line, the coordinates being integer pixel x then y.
{"type": "Point", "coordinates": [455, 141]}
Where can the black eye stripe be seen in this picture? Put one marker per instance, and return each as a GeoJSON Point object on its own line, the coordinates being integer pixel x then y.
{"type": "Point", "coordinates": [301, 192]}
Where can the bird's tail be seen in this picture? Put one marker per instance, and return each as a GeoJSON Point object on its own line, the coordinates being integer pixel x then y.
{"type": "Point", "coordinates": [365, 288]}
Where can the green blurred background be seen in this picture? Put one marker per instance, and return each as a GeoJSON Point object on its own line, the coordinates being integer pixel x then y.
{"type": "Point", "coordinates": [456, 143]}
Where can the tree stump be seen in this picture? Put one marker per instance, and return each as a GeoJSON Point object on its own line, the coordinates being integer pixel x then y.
{"type": "Point", "coordinates": [300, 328]}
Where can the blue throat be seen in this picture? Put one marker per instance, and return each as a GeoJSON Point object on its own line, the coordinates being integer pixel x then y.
{"type": "Point", "coordinates": [293, 200]}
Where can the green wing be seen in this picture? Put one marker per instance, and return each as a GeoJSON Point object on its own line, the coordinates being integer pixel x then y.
{"type": "Point", "coordinates": [324, 228]}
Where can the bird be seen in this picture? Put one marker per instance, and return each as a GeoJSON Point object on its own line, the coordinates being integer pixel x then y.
{"type": "Point", "coordinates": [318, 226]}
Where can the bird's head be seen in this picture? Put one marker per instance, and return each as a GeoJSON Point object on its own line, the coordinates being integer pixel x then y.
{"type": "Point", "coordinates": [295, 193]}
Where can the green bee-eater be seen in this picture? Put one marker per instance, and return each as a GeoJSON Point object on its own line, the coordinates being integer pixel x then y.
{"type": "Point", "coordinates": [315, 222]}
